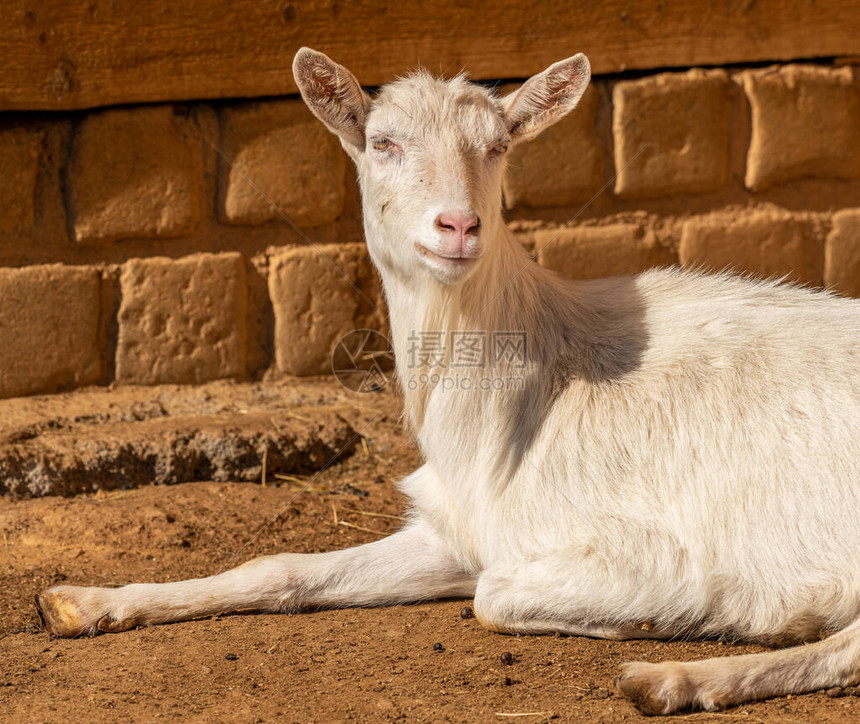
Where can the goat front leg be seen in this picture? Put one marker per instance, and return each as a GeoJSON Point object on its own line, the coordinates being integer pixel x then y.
{"type": "Point", "coordinates": [411, 565]}
{"type": "Point", "coordinates": [580, 593]}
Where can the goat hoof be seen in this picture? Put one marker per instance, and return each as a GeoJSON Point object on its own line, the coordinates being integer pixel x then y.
{"type": "Point", "coordinates": [109, 624]}
{"type": "Point", "coordinates": [60, 615]}
{"type": "Point", "coordinates": [655, 689]}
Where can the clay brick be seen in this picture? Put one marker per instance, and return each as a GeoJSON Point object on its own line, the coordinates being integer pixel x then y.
{"type": "Point", "coordinates": [805, 122]}
{"type": "Point", "coordinates": [134, 174]}
{"type": "Point", "coordinates": [560, 167]}
{"type": "Point", "coordinates": [842, 253]}
{"type": "Point", "coordinates": [313, 292]}
{"type": "Point", "coordinates": [281, 161]}
{"type": "Point", "coordinates": [766, 244]}
{"type": "Point", "coordinates": [48, 329]}
{"type": "Point", "coordinates": [678, 123]}
{"type": "Point", "coordinates": [19, 168]}
{"type": "Point", "coordinates": [593, 252]}
{"type": "Point", "coordinates": [182, 321]}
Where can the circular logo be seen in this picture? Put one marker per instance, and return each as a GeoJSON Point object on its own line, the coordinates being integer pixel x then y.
{"type": "Point", "coordinates": [362, 361]}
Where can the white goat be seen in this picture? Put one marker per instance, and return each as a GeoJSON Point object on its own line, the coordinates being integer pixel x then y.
{"type": "Point", "coordinates": [680, 458]}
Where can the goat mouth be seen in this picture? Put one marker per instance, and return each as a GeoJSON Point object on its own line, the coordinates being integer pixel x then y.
{"type": "Point", "coordinates": [448, 261]}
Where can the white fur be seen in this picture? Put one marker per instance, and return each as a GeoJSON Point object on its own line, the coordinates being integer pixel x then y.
{"type": "Point", "coordinates": [680, 456]}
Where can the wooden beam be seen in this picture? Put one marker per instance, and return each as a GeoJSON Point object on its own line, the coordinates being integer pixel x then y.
{"type": "Point", "coordinates": [60, 55]}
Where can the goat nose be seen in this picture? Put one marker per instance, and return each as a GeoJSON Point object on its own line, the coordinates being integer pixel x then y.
{"type": "Point", "coordinates": [461, 223]}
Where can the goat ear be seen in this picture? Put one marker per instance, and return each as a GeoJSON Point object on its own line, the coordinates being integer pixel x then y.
{"type": "Point", "coordinates": [546, 97]}
{"type": "Point", "coordinates": [333, 95]}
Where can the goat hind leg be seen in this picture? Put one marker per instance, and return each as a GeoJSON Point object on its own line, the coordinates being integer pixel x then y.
{"type": "Point", "coordinates": [717, 683]}
{"type": "Point", "coordinates": [410, 565]}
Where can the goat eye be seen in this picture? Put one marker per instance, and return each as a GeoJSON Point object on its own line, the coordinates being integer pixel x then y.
{"type": "Point", "coordinates": [500, 148]}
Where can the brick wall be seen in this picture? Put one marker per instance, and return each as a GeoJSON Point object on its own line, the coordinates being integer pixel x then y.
{"type": "Point", "coordinates": [181, 243]}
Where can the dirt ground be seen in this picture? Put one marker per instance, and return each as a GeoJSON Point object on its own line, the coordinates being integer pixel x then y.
{"type": "Point", "coordinates": [355, 665]}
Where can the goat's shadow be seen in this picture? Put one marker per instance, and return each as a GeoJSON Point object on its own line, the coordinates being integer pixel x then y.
{"type": "Point", "coordinates": [601, 347]}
